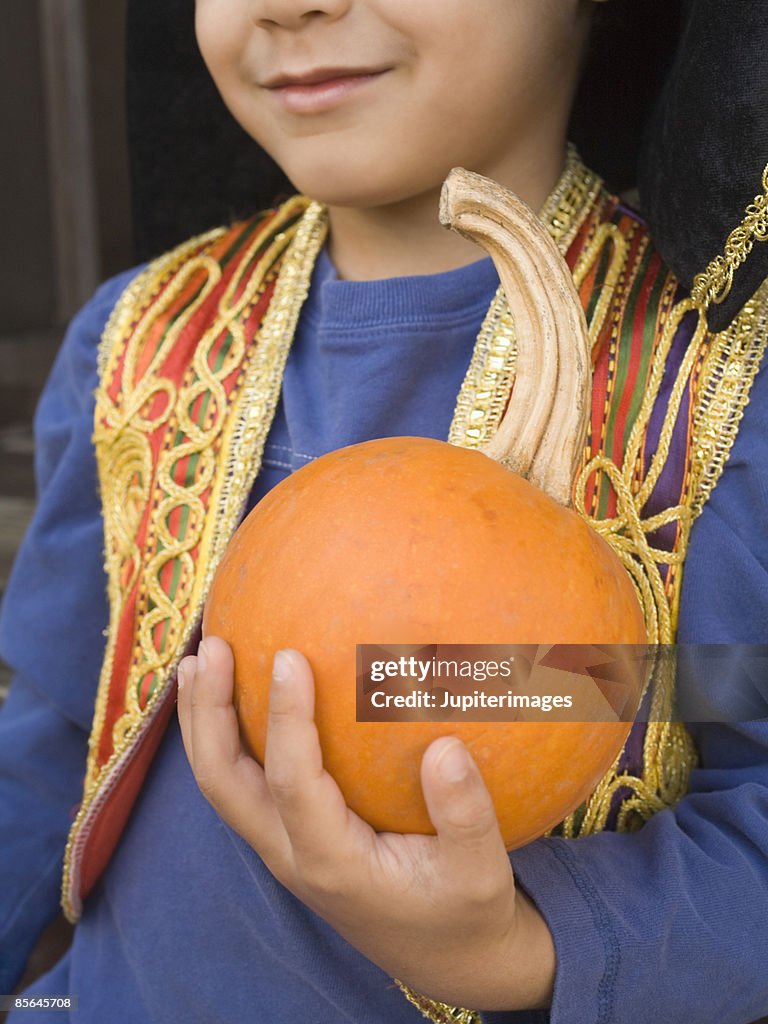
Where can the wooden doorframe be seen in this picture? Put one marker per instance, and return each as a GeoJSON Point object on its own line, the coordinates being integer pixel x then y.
{"type": "Point", "coordinates": [72, 182]}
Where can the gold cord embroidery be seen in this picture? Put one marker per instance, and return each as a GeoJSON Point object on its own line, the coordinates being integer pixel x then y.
{"type": "Point", "coordinates": [488, 384]}
{"type": "Point", "coordinates": [728, 364]}
{"type": "Point", "coordinates": [728, 372]}
{"type": "Point", "coordinates": [715, 283]}
{"type": "Point", "coordinates": [438, 1013]}
{"type": "Point", "coordinates": [605, 234]}
{"type": "Point", "coordinates": [260, 390]}
{"type": "Point", "coordinates": [125, 473]}
{"type": "Point", "coordinates": [218, 447]}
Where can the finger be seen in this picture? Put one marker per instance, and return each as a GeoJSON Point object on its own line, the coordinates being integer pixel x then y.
{"type": "Point", "coordinates": [185, 675]}
{"type": "Point", "coordinates": [310, 803]}
{"type": "Point", "coordinates": [461, 809]}
{"type": "Point", "coordinates": [228, 777]}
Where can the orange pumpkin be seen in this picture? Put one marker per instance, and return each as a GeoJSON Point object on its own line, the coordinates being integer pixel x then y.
{"type": "Point", "coordinates": [414, 541]}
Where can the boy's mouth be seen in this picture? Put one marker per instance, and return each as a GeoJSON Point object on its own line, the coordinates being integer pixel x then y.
{"type": "Point", "coordinates": [320, 89]}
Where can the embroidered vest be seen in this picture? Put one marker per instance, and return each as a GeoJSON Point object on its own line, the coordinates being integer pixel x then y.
{"type": "Point", "coordinates": [191, 366]}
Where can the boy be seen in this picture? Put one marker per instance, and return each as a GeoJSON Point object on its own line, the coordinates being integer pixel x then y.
{"type": "Point", "coordinates": [351, 98]}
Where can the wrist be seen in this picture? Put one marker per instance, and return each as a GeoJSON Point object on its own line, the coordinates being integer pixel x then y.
{"type": "Point", "coordinates": [535, 953]}
{"type": "Point", "coordinates": [519, 972]}
{"type": "Point", "coordinates": [511, 969]}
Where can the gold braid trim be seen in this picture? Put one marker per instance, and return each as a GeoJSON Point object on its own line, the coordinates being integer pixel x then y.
{"type": "Point", "coordinates": [241, 444]}
{"type": "Point", "coordinates": [723, 368]}
{"type": "Point", "coordinates": [439, 1013]}
{"type": "Point", "coordinates": [125, 470]}
{"type": "Point", "coordinates": [715, 283]}
{"type": "Point", "coordinates": [627, 532]}
{"type": "Point", "coordinates": [729, 362]}
{"type": "Point", "coordinates": [488, 382]}
{"type": "Point", "coordinates": [572, 199]}
{"type": "Point", "coordinates": [729, 370]}
{"type": "Point", "coordinates": [235, 437]}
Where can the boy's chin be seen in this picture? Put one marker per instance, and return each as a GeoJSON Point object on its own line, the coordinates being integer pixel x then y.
{"type": "Point", "coordinates": [361, 191]}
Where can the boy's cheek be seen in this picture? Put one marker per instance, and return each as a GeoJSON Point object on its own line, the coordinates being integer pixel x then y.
{"type": "Point", "coordinates": [222, 30]}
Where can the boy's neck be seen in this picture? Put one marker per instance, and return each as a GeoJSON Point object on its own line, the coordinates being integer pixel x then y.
{"type": "Point", "coordinates": [405, 239]}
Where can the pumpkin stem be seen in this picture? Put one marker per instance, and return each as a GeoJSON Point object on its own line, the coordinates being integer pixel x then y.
{"type": "Point", "coordinates": [543, 432]}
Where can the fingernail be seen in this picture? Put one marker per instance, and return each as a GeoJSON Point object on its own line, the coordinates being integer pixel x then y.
{"type": "Point", "coordinates": [202, 657]}
{"type": "Point", "coordinates": [454, 764]}
{"type": "Point", "coordinates": [281, 667]}
{"type": "Point", "coordinates": [186, 670]}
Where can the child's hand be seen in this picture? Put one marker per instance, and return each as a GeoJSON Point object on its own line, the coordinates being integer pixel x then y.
{"type": "Point", "coordinates": [441, 913]}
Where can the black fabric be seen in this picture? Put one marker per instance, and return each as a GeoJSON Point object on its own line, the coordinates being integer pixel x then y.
{"type": "Point", "coordinates": [708, 143]}
{"type": "Point", "coordinates": [631, 49]}
{"type": "Point", "coordinates": [192, 166]}
{"type": "Point", "coordinates": [703, 149]}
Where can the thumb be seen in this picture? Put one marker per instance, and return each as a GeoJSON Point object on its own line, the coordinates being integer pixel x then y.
{"type": "Point", "coordinates": [461, 808]}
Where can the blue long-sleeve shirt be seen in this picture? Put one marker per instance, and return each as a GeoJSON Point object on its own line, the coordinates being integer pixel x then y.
{"type": "Point", "coordinates": [665, 925]}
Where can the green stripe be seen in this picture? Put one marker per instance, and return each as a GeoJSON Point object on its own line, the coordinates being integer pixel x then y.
{"type": "Point", "coordinates": [649, 332]}
{"type": "Point", "coordinates": [175, 577]}
{"type": "Point", "coordinates": [600, 278]}
{"type": "Point", "coordinates": [251, 228]}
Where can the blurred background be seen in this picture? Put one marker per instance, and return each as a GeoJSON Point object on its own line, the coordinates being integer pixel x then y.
{"type": "Point", "coordinates": [64, 207]}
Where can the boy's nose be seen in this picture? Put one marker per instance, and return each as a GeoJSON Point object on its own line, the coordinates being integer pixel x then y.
{"type": "Point", "coordinates": [295, 14]}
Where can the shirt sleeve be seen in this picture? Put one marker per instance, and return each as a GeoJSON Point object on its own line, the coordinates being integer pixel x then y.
{"type": "Point", "coordinates": [669, 924]}
{"type": "Point", "coordinates": [51, 633]}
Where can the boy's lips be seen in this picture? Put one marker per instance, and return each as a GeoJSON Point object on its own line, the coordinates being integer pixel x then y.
{"type": "Point", "coordinates": [321, 89]}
